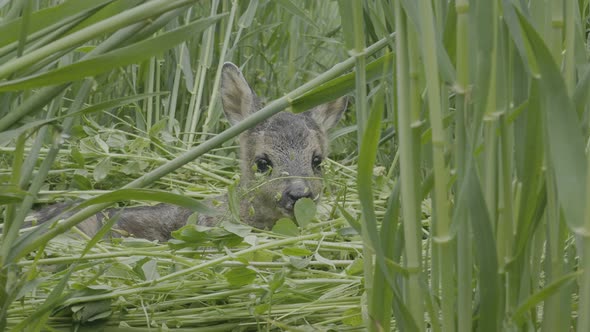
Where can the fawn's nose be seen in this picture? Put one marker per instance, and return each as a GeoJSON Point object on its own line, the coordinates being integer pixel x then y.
{"type": "Point", "coordinates": [293, 193]}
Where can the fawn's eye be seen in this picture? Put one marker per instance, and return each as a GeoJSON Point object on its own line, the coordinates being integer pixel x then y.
{"type": "Point", "coordinates": [263, 164]}
{"type": "Point", "coordinates": [316, 163]}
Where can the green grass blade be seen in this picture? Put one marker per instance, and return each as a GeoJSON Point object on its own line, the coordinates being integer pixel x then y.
{"type": "Point", "coordinates": [47, 17]}
{"type": "Point", "coordinates": [566, 144]}
{"type": "Point", "coordinates": [341, 85]}
{"type": "Point", "coordinates": [542, 295]}
{"type": "Point", "coordinates": [149, 195]}
{"type": "Point", "coordinates": [471, 199]}
{"type": "Point", "coordinates": [114, 23]}
{"type": "Point", "coordinates": [105, 62]}
{"type": "Point", "coordinates": [298, 12]}
{"type": "Point", "coordinates": [7, 135]}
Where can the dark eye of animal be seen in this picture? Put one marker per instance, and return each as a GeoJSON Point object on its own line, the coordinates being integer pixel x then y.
{"type": "Point", "coordinates": [263, 164]}
{"type": "Point", "coordinates": [316, 163]}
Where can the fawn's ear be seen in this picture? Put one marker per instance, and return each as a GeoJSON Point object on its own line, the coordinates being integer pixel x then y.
{"type": "Point", "coordinates": [237, 97]}
{"type": "Point", "coordinates": [328, 114]}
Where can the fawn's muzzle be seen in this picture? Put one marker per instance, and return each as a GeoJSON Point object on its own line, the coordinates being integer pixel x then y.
{"type": "Point", "coordinates": [294, 192]}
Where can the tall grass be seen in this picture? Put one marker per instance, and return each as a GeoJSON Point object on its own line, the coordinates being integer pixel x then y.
{"type": "Point", "coordinates": [456, 195]}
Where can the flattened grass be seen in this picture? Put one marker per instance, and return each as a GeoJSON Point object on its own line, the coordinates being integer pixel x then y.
{"type": "Point", "coordinates": [269, 280]}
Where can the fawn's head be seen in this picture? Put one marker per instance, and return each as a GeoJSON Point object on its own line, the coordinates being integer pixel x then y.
{"type": "Point", "coordinates": [281, 158]}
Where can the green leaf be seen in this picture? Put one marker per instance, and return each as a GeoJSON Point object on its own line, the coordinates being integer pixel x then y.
{"type": "Point", "coordinates": [91, 311]}
{"type": "Point", "coordinates": [286, 227]}
{"type": "Point", "coordinates": [295, 251]}
{"type": "Point", "coordinates": [305, 210]}
{"type": "Point", "coordinates": [102, 169]}
{"type": "Point", "coordinates": [352, 317]}
{"type": "Point", "coordinates": [564, 136]}
{"type": "Point", "coordinates": [77, 157]}
{"type": "Point", "coordinates": [278, 279]}
{"type": "Point", "coordinates": [240, 276]}
{"type": "Point", "coordinates": [81, 182]}
{"type": "Point", "coordinates": [147, 268]}
{"type": "Point", "coordinates": [356, 268]}
{"type": "Point", "coordinates": [238, 229]}
{"type": "Point", "coordinates": [299, 263]}
{"type": "Point", "coordinates": [261, 308]}
{"type": "Point", "coordinates": [196, 236]}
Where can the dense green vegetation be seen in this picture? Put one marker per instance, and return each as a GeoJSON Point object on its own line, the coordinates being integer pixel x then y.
{"type": "Point", "coordinates": [456, 195]}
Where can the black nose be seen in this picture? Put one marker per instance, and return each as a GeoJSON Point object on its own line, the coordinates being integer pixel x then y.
{"type": "Point", "coordinates": [292, 194]}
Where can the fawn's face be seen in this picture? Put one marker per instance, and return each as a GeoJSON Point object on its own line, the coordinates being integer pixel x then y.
{"type": "Point", "coordinates": [281, 158]}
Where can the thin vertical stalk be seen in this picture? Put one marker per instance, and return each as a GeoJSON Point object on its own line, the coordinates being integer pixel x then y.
{"type": "Point", "coordinates": [556, 28]}
{"type": "Point", "coordinates": [441, 217]}
{"type": "Point", "coordinates": [358, 39]}
{"type": "Point", "coordinates": [584, 236]}
{"type": "Point", "coordinates": [490, 125]}
{"type": "Point", "coordinates": [157, 90]}
{"type": "Point", "coordinates": [361, 61]}
{"type": "Point", "coordinates": [464, 248]}
{"type": "Point", "coordinates": [553, 252]}
{"type": "Point", "coordinates": [506, 224]}
{"type": "Point", "coordinates": [569, 63]}
{"type": "Point", "coordinates": [175, 88]}
{"type": "Point", "coordinates": [584, 305]}
{"type": "Point", "coordinates": [553, 319]}
{"type": "Point", "coordinates": [26, 20]}
{"type": "Point", "coordinates": [205, 60]}
{"type": "Point", "coordinates": [213, 103]}
{"type": "Point", "coordinates": [149, 88]}
{"type": "Point", "coordinates": [192, 112]}
{"type": "Point", "coordinates": [410, 203]}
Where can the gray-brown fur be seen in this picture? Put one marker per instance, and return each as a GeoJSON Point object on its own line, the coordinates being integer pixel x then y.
{"type": "Point", "coordinates": [291, 145]}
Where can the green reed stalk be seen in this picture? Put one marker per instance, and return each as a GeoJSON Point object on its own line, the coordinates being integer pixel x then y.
{"type": "Point", "coordinates": [464, 247]}
{"type": "Point", "coordinates": [362, 116]}
{"type": "Point", "coordinates": [553, 309]}
{"type": "Point", "coordinates": [441, 212]}
{"type": "Point", "coordinates": [584, 236]}
{"type": "Point", "coordinates": [213, 107]}
{"type": "Point", "coordinates": [203, 66]}
{"type": "Point", "coordinates": [409, 191]}
{"type": "Point", "coordinates": [584, 252]}
{"type": "Point", "coordinates": [355, 38]}
{"type": "Point", "coordinates": [148, 104]}
{"type": "Point", "coordinates": [361, 62]}
{"type": "Point", "coordinates": [505, 216]}
{"type": "Point", "coordinates": [569, 60]}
